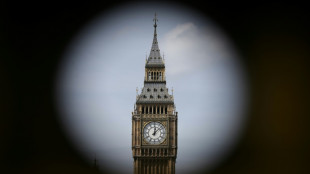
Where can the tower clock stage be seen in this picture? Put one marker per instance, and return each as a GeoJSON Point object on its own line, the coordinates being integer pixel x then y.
{"type": "Point", "coordinates": [154, 120]}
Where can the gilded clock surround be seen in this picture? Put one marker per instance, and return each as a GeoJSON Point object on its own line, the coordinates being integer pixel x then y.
{"type": "Point", "coordinates": [154, 104]}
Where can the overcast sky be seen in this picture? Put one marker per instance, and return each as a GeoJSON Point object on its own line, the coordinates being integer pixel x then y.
{"type": "Point", "coordinates": [105, 63]}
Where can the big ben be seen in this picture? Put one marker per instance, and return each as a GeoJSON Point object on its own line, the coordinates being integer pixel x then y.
{"type": "Point", "coordinates": [154, 120]}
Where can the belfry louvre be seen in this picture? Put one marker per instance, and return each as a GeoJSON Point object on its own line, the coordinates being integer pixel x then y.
{"type": "Point", "coordinates": [154, 120]}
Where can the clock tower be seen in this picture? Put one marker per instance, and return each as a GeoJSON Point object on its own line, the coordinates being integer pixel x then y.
{"type": "Point", "coordinates": [154, 120]}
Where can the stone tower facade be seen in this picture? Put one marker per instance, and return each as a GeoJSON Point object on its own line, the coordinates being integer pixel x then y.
{"type": "Point", "coordinates": [154, 120]}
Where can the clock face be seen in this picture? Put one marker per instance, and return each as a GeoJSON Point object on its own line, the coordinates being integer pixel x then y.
{"type": "Point", "coordinates": [154, 133]}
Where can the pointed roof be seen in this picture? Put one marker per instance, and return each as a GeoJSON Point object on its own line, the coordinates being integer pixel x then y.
{"type": "Point", "coordinates": [154, 93]}
{"type": "Point", "coordinates": [155, 59]}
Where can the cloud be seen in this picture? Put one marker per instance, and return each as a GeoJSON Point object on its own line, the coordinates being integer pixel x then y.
{"type": "Point", "coordinates": [189, 48]}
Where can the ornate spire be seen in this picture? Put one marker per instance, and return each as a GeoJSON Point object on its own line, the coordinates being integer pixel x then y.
{"type": "Point", "coordinates": [155, 58]}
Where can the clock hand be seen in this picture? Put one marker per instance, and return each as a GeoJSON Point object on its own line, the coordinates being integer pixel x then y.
{"type": "Point", "coordinates": [154, 131]}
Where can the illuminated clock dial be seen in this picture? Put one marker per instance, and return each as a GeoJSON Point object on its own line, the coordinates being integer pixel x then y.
{"type": "Point", "coordinates": [154, 133]}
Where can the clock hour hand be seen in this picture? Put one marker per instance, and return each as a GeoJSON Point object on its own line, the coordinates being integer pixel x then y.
{"type": "Point", "coordinates": [154, 131]}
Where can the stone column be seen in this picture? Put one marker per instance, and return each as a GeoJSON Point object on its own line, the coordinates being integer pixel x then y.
{"type": "Point", "coordinates": [133, 132]}
{"type": "Point", "coordinates": [136, 166]}
{"type": "Point", "coordinates": [173, 133]}
{"type": "Point", "coordinates": [139, 134]}
{"type": "Point", "coordinates": [140, 171]}
{"type": "Point", "coordinates": [169, 166]}
{"type": "Point", "coordinates": [159, 164]}
{"type": "Point", "coordinates": [166, 167]}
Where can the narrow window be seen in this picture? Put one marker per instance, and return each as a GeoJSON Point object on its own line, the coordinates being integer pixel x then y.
{"type": "Point", "coordinates": [165, 110]}
{"type": "Point", "coordinates": [142, 109]}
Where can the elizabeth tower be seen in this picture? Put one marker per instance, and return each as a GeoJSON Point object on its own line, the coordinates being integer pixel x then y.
{"type": "Point", "coordinates": [154, 120]}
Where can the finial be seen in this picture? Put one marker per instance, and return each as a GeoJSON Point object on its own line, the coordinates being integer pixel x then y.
{"type": "Point", "coordinates": [95, 162]}
{"type": "Point", "coordinates": [164, 56]}
{"type": "Point", "coordinates": [155, 20]}
{"type": "Point", "coordinates": [137, 91]}
{"type": "Point", "coordinates": [145, 57]}
{"type": "Point", "coordinates": [172, 90]}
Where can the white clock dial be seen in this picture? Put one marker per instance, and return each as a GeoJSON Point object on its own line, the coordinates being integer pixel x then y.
{"type": "Point", "coordinates": [154, 133]}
